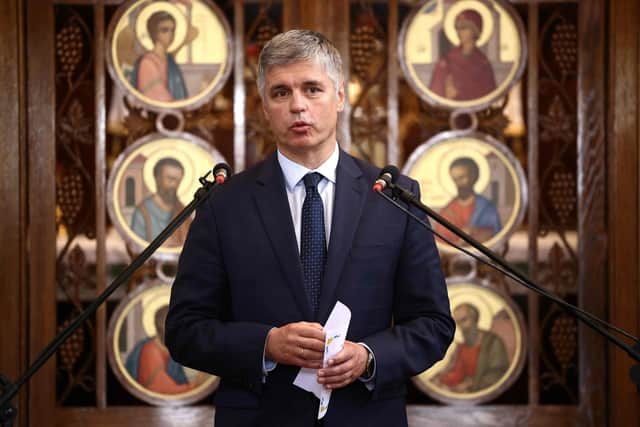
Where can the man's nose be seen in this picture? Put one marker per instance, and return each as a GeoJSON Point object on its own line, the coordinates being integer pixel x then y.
{"type": "Point", "coordinates": [298, 102]}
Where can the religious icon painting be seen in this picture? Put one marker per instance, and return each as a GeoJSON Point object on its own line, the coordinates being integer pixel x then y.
{"type": "Point", "coordinates": [139, 358]}
{"type": "Point", "coordinates": [462, 54]}
{"type": "Point", "coordinates": [149, 185]}
{"type": "Point", "coordinates": [473, 181]}
{"type": "Point", "coordinates": [487, 353]}
{"type": "Point", "coordinates": [169, 54]}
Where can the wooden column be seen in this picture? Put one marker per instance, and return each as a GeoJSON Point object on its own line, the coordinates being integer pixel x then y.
{"type": "Point", "coordinates": [239, 89]}
{"type": "Point", "coordinates": [533, 300]}
{"type": "Point", "coordinates": [40, 245]}
{"type": "Point", "coordinates": [12, 183]}
{"type": "Point", "coordinates": [623, 138]}
{"type": "Point", "coordinates": [100, 188]}
{"type": "Point", "coordinates": [592, 224]}
{"type": "Point", "coordinates": [393, 74]}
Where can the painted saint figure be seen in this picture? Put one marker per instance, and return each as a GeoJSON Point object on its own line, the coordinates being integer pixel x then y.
{"type": "Point", "coordinates": [480, 361]}
{"type": "Point", "coordinates": [156, 73]}
{"type": "Point", "coordinates": [150, 364]}
{"type": "Point", "coordinates": [156, 211]}
{"type": "Point", "coordinates": [464, 73]}
{"type": "Point", "coordinates": [472, 212]}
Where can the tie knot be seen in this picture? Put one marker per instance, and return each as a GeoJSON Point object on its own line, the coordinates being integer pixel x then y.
{"type": "Point", "coordinates": [312, 179]}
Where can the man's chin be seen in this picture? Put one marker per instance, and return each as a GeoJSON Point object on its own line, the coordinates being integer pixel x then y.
{"type": "Point", "coordinates": [300, 145]}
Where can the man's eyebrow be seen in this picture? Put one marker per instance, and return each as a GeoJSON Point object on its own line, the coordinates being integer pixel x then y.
{"type": "Point", "coordinates": [312, 83]}
{"type": "Point", "coordinates": [278, 87]}
{"type": "Point", "coordinates": [306, 83]}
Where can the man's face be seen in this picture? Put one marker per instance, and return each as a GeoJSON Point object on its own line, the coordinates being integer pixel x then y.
{"type": "Point", "coordinates": [165, 32]}
{"type": "Point", "coordinates": [464, 319]}
{"type": "Point", "coordinates": [167, 182]}
{"type": "Point", "coordinates": [462, 178]}
{"type": "Point", "coordinates": [301, 105]}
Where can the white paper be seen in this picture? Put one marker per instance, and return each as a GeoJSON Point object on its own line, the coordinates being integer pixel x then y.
{"type": "Point", "coordinates": [335, 333]}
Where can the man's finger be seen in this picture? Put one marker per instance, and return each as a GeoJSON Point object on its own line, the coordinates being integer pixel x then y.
{"type": "Point", "coordinates": [336, 370]}
{"type": "Point", "coordinates": [344, 355]}
{"type": "Point", "coordinates": [309, 331]}
{"type": "Point", "coordinates": [339, 383]}
{"type": "Point", "coordinates": [311, 344]}
{"type": "Point", "coordinates": [336, 377]}
{"type": "Point", "coordinates": [314, 325]}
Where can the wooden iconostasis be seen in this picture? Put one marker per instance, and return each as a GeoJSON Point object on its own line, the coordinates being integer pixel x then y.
{"type": "Point", "coordinates": [551, 121]}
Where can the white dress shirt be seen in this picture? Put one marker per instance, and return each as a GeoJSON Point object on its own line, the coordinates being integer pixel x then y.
{"type": "Point", "coordinates": [296, 192]}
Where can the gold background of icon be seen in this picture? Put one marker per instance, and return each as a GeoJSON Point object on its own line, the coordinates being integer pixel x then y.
{"type": "Point", "coordinates": [500, 177]}
{"type": "Point", "coordinates": [133, 172]}
{"type": "Point", "coordinates": [134, 321]}
{"type": "Point", "coordinates": [201, 48]}
{"type": "Point", "coordinates": [498, 315]}
{"type": "Point", "coordinates": [501, 41]}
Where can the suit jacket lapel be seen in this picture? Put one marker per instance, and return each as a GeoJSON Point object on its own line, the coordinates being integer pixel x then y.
{"type": "Point", "coordinates": [273, 207]}
{"type": "Point", "coordinates": [350, 194]}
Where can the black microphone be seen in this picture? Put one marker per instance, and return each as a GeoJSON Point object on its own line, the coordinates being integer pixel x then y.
{"type": "Point", "coordinates": [387, 178]}
{"type": "Point", "coordinates": [221, 172]}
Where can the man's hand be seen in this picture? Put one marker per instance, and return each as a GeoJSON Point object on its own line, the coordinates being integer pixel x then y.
{"type": "Point", "coordinates": [345, 367]}
{"type": "Point", "coordinates": [298, 344]}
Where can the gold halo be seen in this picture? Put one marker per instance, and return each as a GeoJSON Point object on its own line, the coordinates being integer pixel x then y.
{"type": "Point", "coordinates": [455, 152]}
{"type": "Point", "coordinates": [463, 293]}
{"type": "Point", "coordinates": [193, 153]}
{"type": "Point", "coordinates": [160, 292]}
{"type": "Point", "coordinates": [484, 306]}
{"type": "Point", "coordinates": [459, 6]}
{"type": "Point", "coordinates": [150, 305]}
{"type": "Point", "coordinates": [141, 24]}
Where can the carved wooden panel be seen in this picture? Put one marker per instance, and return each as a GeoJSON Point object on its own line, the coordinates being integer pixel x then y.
{"type": "Point", "coordinates": [561, 147]}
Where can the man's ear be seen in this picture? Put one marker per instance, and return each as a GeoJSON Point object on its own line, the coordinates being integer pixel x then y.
{"type": "Point", "coordinates": [264, 110]}
{"type": "Point", "coordinates": [341, 97]}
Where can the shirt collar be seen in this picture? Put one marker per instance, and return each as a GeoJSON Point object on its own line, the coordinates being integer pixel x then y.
{"type": "Point", "coordinates": [294, 172]}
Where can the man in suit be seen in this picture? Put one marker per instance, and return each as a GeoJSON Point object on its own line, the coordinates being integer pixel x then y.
{"type": "Point", "coordinates": [270, 253]}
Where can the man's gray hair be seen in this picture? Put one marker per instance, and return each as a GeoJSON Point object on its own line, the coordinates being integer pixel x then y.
{"type": "Point", "coordinates": [300, 45]}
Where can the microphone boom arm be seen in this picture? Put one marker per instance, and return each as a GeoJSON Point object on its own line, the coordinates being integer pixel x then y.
{"type": "Point", "coordinates": [502, 266]}
{"type": "Point", "coordinates": [8, 390]}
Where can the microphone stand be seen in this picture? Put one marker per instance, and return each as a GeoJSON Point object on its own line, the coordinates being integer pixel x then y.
{"type": "Point", "coordinates": [8, 390]}
{"type": "Point", "coordinates": [502, 266]}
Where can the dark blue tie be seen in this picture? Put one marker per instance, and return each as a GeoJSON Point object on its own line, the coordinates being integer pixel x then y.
{"type": "Point", "coordinates": [313, 249]}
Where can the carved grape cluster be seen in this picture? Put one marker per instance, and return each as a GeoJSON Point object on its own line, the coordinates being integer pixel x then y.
{"type": "Point", "coordinates": [69, 194]}
{"type": "Point", "coordinates": [264, 33]}
{"type": "Point", "coordinates": [563, 339]}
{"type": "Point", "coordinates": [363, 47]}
{"type": "Point", "coordinates": [565, 47]}
{"type": "Point", "coordinates": [69, 47]}
{"type": "Point", "coordinates": [71, 349]}
{"type": "Point", "coordinates": [563, 194]}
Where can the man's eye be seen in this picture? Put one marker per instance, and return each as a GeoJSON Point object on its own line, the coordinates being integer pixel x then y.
{"type": "Point", "coordinates": [279, 93]}
{"type": "Point", "coordinates": [314, 89]}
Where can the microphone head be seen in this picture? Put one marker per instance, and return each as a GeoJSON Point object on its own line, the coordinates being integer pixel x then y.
{"type": "Point", "coordinates": [388, 176]}
{"type": "Point", "coordinates": [391, 171]}
{"type": "Point", "coordinates": [221, 172]}
{"type": "Point", "coordinates": [378, 186]}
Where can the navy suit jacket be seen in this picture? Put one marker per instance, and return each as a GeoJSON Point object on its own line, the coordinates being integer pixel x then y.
{"type": "Point", "coordinates": [240, 275]}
